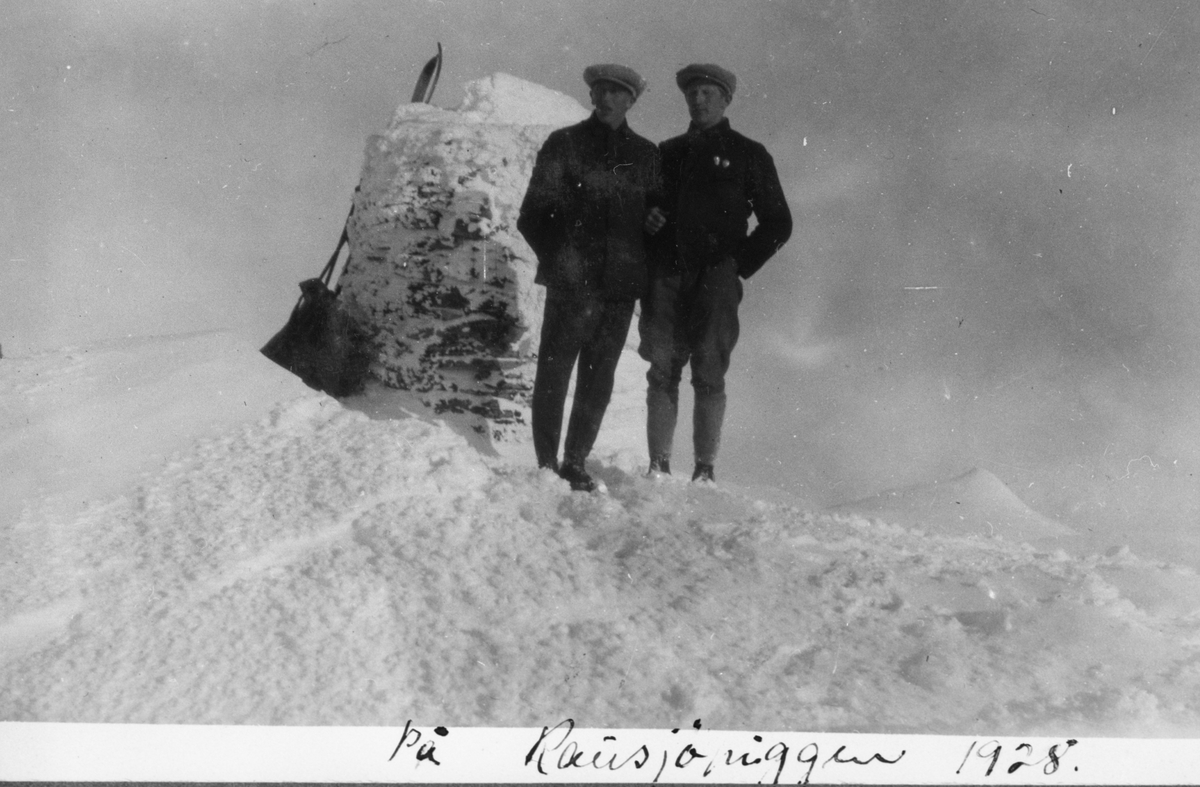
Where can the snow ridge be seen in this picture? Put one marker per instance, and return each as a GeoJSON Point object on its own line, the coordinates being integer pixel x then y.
{"type": "Point", "coordinates": [320, 567]}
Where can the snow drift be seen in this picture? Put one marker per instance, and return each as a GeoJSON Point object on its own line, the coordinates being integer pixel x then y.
{"type": "Point", "coordinates": [976, 501]}
{"type": "Point", "coordinates": [312, 565]}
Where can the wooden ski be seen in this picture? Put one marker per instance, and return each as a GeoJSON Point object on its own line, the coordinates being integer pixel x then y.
{"type": "Point", "coordinates": [427, 81]}
{"type": "Point", "coordinates": [436, 73]}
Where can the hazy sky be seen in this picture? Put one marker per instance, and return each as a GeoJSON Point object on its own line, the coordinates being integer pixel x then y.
{"type": "Point", "coordinates": [994, 256]}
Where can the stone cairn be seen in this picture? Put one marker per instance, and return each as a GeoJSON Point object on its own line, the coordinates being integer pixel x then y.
{"type": "Point", "coordinates": [437, 272]}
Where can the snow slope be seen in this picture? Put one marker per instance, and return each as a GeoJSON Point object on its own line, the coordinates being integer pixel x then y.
{"type": "Point", "coordinates": [205, 540]}
{"type": "Point", "coordinates": [77, 423]}
{"type": "Point", "coordinates": [976, 501]}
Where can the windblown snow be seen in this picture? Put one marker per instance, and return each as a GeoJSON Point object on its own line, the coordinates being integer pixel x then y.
{"type": "Point", "coordinates": [190, 535]}
{"type": "Point", "coordinates": [315, 565]}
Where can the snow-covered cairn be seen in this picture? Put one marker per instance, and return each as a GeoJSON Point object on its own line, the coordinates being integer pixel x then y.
{"type": "Point", "coordinates": [437, 270]}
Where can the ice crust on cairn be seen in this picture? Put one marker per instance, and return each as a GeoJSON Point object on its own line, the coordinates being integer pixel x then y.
{"type": "Point", "coordinates": [437, 271]}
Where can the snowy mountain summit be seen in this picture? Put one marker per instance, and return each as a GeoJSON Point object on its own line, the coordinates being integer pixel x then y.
{"type": "Point", "coordinates": [437, 271]}
{"type": "Point", "coordinates": [191, 535]}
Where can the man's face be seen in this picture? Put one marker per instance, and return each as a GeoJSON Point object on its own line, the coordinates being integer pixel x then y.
{"type": "Point", "coordinates": [706, 103]}
{"type": "Point", "coordinates": [611, 101]}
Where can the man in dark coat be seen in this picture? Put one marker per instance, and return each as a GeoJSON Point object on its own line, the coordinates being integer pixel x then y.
{"type": "Point", "coordinates": [584, 216]}
{"type": "Point", "coordinates": [714, 179]}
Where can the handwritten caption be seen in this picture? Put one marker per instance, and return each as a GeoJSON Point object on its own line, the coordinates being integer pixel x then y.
{"type": "Point", "coordinates": [555, 751]}
{"type": "Point", "coordinates": [562, 748]}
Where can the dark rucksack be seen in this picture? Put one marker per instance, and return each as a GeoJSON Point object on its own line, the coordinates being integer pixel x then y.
{"type": "Point", "coordinates": [321, 343]}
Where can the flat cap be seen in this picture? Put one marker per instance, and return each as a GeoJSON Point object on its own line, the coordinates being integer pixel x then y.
{"type": "Point", "coordinates": [624, 76]}
{"type": "Point", "coordinates": [707, 72]}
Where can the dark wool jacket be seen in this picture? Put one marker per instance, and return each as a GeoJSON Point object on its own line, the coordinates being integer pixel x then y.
{"type": "Point", "coordinates": [713, 180]}
{"type": "Point", "coordinates": [585, 207]}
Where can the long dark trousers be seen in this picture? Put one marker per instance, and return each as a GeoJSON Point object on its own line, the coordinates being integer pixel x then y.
{"type": "Point", "coordinates": [693, 318]}
{"type": "Point", "coordinates": [592, 332]}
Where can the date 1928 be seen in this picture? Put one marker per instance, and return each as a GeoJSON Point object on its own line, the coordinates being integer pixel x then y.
{"type": "Point", "coordinates": [992, 750]}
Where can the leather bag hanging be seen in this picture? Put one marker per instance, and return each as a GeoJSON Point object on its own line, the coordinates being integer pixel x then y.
{"type": "Point", "coordinates": [322, 344]}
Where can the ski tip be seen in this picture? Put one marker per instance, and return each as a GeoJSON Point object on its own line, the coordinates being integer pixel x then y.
{"type": "Point", "coordinates": [422, 86]}
{"type": "Point", "coordinates": [427, 80]}
{"type": "Point", "coordinates": [437, 71]}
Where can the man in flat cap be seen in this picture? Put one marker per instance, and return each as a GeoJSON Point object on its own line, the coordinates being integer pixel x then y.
{"type": "Point", "coordinates": [584, 216]}
{"type": "Point", "coordinates": [714, 179]}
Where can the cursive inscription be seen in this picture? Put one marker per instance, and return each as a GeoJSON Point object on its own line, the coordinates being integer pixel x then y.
{"type": "Point", "coordinates": [556, 751]}
{"type": "Point", "coordinates": [411, 737]}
